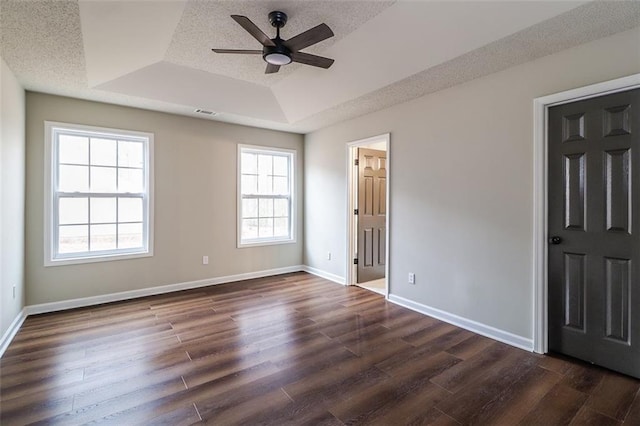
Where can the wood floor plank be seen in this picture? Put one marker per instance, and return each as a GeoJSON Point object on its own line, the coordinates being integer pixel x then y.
{"type": "Point", "coordinates": [259, 409]}
{"type": "Point", "coordinates": [87, 408]}
{"type": "Point", "coordinates": [414, 408]}
{"type": "Point", "coordinates": [516, 402]}
{"type": "Point", "coordinates": [288, 350]}
{"type": "Point", "coordinates": [178, 417]}
{"type": "Point", "coordinates": [476, 368]}
{"type": "Point", "coordinates": [555, 362]}
{"type": "Point", "coordinates": [614, 396]}
{"type": "Point", "coordinates": [208, 391]}
{"type": "Point", "coordinates": [482, 399]}
{"type": "Point", "coordinates": [633, 416]}
{"type": "Point", "coordinates": [558, 407]}
{"type": "Point", "coordinates": [470, 347]}
{"type": "Point", "coordinates": [210, 368]}
{"type": "Point", "coordinates": [406, 388]}
{"type": "Point", "coordinates": [294, 414]}
{"type": "Point", "coordinates": [434, 346]}
{"type": "Point", "coordinates": [21, 411]}
{"type": "Point", "coordinates": [583, 377]}
{"type": "Point", "coordinates": [589, 417]}
{"type": "Point", "coordinates": [426, 335]}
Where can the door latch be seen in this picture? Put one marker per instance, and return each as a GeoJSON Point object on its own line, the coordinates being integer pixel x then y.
{"type": "Point", "coordinates": [555, 240]}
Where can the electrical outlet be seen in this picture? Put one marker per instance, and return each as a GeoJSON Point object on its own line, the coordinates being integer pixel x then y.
{"type": "Point", "coordinates": [412, 278]}
{"type": "Point", "coordinates": [328, 255]}
{"type": "Point", "coordinates": [205, 260]}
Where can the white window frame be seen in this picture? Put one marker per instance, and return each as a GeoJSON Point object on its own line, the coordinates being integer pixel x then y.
{"type": "Point", "coordinates": [292, 199]}
{"type": "Point", "coordinates": [51, 256]}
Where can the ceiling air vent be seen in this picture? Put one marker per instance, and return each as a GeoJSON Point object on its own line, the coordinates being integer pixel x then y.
{"type": "Point", "coordinates": [205, 112]}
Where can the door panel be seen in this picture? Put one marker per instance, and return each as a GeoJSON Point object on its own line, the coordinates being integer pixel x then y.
{"type": "Point", "coordinates": [575, 209]}
{"type": "Point", "coordinates": [372, 209]}
{"type": "Point", "coordinates": [618, 274]}
{"type": "Point", "coordinates": [617, 187]}
{"type": "Point", "coordinates": [594, 295]}
{"type": "Point", "coordinates": [574, 290]}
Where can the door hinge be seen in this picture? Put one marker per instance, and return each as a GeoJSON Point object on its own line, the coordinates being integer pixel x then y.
{"type": "Point", "coordinates": [355, 261]}
{"type": "Point", "coordinates": [357, 162]}
{"type": "Point", "coordinates": [355, 211]}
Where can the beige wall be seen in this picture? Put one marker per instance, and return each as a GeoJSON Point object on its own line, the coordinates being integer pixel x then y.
{"type": "Point", "coordinates": [461, 177]}
{"type": "Point", "coordinates": [195, 202]}
{"type": "Point", "coordinates": [12, 185]}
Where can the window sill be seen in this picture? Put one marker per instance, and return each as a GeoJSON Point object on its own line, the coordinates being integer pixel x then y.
{"type": "Point", "coordinates": [101, 258]}
{"type": "Point", "coordinates": [265, 243]}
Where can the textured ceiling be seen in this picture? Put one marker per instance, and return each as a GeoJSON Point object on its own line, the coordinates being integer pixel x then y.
{"type": "Point", "coordinates": [206, 24]}
{"type": "Point", "coordinates": [156, 54]}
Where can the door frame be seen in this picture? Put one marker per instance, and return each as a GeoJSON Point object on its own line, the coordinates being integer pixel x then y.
{"type": "Point", "coordinates": [352, 247]}
{"type": "Point", "coordinates": [541, 107]}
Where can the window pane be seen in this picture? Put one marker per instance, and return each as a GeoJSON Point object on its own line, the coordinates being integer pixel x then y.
{"type": "Point", "coordinates": [73, 149]}
{"type": "Point", "coordinates": [280, 207]}
{"type": "Point", "coordinates": [265, 207]}
{"type": "Point", "coordinates": [280, 165]}
{"type": "Point", "coordinates": [250, 207]}
{"type": "Point", "coordinates": [103, 237]}
{"type": "Point", "coordinates": [265, 228]}
{"type": "Point", "coordinates": [281, 227]}
{"type": "Point", "coordinates": [73, 178]}
{"type": "Point", "coordinates": [103, 179]}
{"type": "Point", "coordinates": [280, 185]}
{"type": "Point", "coordinates": [249, 184]}
{"type": "Point", "coordinates": [249, 229]}
{"type": "Point", "coordinates": [130, 235]}
{"type": "Point", "coordinates": [130, 180]}
{"type": "Point", "coordinates": [264, 164]}
{"type": "Point", "coordinates": [249, 163]}
{"type": "Point", "coordinates": [73, 211]}
{"type": "Point", "coordinates": [130, 154]}
{"type": "Point", "coordinates": [264, 185]}
{"type": "Point", "coordinates": [73, 239]}
{"type": "Point", "coordinates": [129, 209]}
{"type": "Point", "coordinates": [103, 210]}
{"type": "Point", "coordinates": [103, 152]}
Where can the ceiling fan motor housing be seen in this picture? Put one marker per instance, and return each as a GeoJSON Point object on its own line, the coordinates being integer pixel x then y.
{"type": "Point", "coordinates": [278, 19]}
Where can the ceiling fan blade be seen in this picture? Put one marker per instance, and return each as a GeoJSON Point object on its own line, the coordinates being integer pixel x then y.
{"type": "Point", "coordinates": [314, 60]}
{"type": "Point", "coordinates": [309, 37]}
{"type": "Point", "coordinates": [272, 69]}
{"type": "Point", "coordinates": [253, 29]}
{"type": "Point", "coordinates": [241, 51]}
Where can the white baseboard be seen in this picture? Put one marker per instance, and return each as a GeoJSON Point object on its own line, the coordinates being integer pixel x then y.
{"type": "Point", "coordinates": [151, 291]}
{"type": "Point", "coordinates": [11, 332]}
{"type": "Point", "coordinates": [467, 324]}
{"type": "Point", "coordinates": [324, 274]}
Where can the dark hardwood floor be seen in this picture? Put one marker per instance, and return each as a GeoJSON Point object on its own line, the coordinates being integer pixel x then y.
{"type": "Point", "coordinates": [291, 349]}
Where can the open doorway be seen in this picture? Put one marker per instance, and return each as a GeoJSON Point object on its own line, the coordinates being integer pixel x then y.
{"type": "Point", "coordinates": [368, 215]}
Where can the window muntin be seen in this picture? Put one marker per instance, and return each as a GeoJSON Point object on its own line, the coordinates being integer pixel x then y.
{"type": "Point", "coordinates": [99, 194]}
{"type": "Point", "coordinates": [265, 205]}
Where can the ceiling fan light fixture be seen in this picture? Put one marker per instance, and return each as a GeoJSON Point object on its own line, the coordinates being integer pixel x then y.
{"type": "Point", "coordinates": [277, 58]}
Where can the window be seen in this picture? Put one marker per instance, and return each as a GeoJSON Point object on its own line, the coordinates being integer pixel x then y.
{"type": "Point", "coordinates": [98, 194]}
{"type": "Point", "coordinates": [265, 200]}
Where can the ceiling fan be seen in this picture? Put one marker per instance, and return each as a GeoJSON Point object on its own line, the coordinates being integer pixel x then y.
{"type": "Point", "coordinates": [276, 51]}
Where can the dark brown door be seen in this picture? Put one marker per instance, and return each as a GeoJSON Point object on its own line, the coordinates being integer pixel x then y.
{"type": "Point", "coordinates": [594, 225]}
{"type": "Point", "coordinates": [372, 213]}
